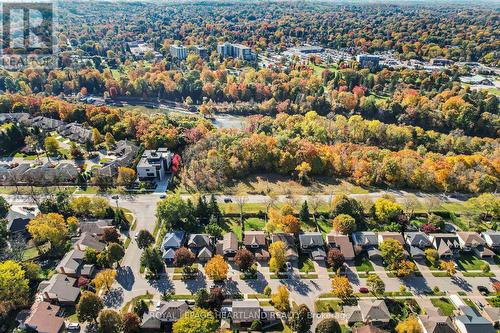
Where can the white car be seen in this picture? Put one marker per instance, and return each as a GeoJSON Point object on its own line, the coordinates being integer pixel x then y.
{"type": "Point", "coordinates": [72, 326]}
{"type": "Point", "coordinates": [158, 305]}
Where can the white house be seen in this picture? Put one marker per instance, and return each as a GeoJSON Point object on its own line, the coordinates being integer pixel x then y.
{"type": "Point", "coordinates": [154, 164]}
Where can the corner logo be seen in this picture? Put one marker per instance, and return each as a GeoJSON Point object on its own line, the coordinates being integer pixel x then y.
{"type": "Point", "coordinates": [27, 28]}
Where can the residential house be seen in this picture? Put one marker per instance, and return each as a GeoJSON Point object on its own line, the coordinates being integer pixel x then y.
{"type": "Point", "coordinates": [18, 219]}
{"type": "Point", "coordinates": [50, 173]}
{"type": "Point", "coordinates": [289, 241]}
{"type": "Point", "coordinates": [472, 241]}
{"type": "Point", "coordinates": [125, 153]}
{"type": "Point", "coordinates": [492, 239]}
{"type": "Point", "coordinates": [154, 164]}
{"type": "Point", "coordinates": [342, 243]}
{"type": "Point", "coordinates": [369, 311]}
{"type": "Point", "coordinates": [417, 242]}
{"type": "Point", "coordinates": [228, 246]}
{"type": "Point", "coordinates": [471, 322]}
{"type": "Point", "coordinates": [12, 174]}
{"type": "Point", "coordinates": [243, 313]}
{"type": "Point", "coordinates": [60, 289]}
{"type": "Point", "coordinates": [44, 318]}
{"type": "Point", "coordinates": [255, 241]}
{"type": "Point", "coordinates": [171, 242]}
{"type": "Point", "coordinates": [435, 324]}
{"type": "Point", "coordinates": [446, 244]}
{"type": "Point", "coordinates": [367, 241]}
{"type": "Point", "coordinates": [87, 240]}
{"type": "Point", "coordinates": [312, 243]}
{"type": "Point", "coordinates": [201, 246]}
{"type": "Point", "coordinates": [164, 316]}
{"type": "Point", "coordinates": [382, 236]}
{"type": "Point", "coordinates": [73, 265]}
{"type": "Point", "coordinates": [95, 228]}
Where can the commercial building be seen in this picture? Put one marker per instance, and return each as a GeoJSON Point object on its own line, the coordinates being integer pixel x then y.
{"type": "Point", "coordinates": [240, 51]}
{"type": "Point", "coordinates": [178, 51]}
{"type": "Point", "coordinates": [368, 61]}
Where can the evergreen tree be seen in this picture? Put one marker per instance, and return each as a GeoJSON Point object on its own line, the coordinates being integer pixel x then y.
{"type": "Point", "coordinates": [304, 213]}
{"type": "Point", "coordinates": [202, 211]}
{"type": "Point", "coordinates": [214, 209]}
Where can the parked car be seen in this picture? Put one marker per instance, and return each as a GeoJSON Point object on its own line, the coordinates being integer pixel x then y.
{"type": "Point", "coordinates": [483, 290]}
{"type": "Point", "coordinates": [163, 196]}
{"type": "Point", "coordinates": [364, 290]}
{"type": "Point", "coordinates": [228, 200]}
{"type": "Point", "coordinates": [158, 305]}
{"type": "Point", "coordinates": [72, 326]}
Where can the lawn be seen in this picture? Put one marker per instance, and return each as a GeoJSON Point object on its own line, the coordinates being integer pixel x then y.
{"type": "Point", "coordinates": [127, 307]}
{"type": "Point", "coordinates": [444, 304]}
{"type": "Point", "coordinates": [30, 253]}
{"type": "Point", "coordinates": [363, 264]}
{"type": "Point", "coordinates": [254, 223]}
{"type": "Point", "coordinates": [327, 306]}
{"type": "Point", "coordinates": [234, 226]}
{"type": "Point", "coordinates": [306, 265]}
{"type": "Point", "coordinates": [469, 262]}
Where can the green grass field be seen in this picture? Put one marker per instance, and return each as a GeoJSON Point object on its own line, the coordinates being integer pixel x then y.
{"type": "Point", "coordinates": [327, 306]}
{"type": "Point", "coordinates": [362, 264]}
{"type": "Point", "coordinates": [469, 262]}
{"type": "Point", "coordinates": [443, 304]}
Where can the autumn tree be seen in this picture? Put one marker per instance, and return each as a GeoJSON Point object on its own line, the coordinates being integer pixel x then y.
{"type": "Point", "coordinates": [303, 170]}
{"type": "Point", "coordinates": [432, 256]}
{"type": "Point", "coordinates": [328, 325]}
{"type": "Point", "coordinates": [131, 323]}
{"type": "Point", "coordinates": [342, 204]}
{"type": "Point", "coordinates": [376, 284]}
{"type": "Point", "coordinates": [183, 257]}
{"type": "Point", "coordinates": [392, 251]}
{"type": "Point", "coordinates": [14, 289]}
{"type": "Point", "coordinates": [386, 210]}
{"type": "Point", "coordinates": [281, 299]}
{"type": "Point", "coordinates": [51, 146]}
{"type": "Point", "coordinates": [144, 239]}
{"type": "Point", "coordinates": [290, 224]}
{"type": "Point", "coordinates": [110, 321]}
{"type": "Point", "coordinates": [48, 227]}
{"type": "Point", "coordinates": [341, 287]}
{"type": "Point", "coordinates": [126, 176]}
{"type": "Point", "coordinates": [410, 325]}
{"type": "Point", "coordinates": [448, 266]}
{"type": "Point", "coordinates": [344, 224]}
{"type": "Point", "coordinates": [217, 268]}
{"type": "Point", "coordinates": [301, 320]}
{"type": "Point", "coordinates": [335, 258]}
{"type": "Point", "coordinates": [244, 259]}
{"type": "Point", "coordinates": [88, 307]}
{"type": "Point", "coordinates": [405, 268]}
{"type": "Point", "coordinates": [196, 320]}
{"type": "Point", "coordinates": [104, 278]}
{"type": "Point", "coordinates": [278, 258]}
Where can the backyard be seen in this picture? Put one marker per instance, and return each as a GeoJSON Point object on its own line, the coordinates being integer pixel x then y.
{"type": "Point", "coordinates": [468, 262]}
{"type": "Point", "coordinates": [444, 305]}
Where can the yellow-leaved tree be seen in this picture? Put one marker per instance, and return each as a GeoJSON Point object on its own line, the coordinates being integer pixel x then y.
{"type": "Point", "coordinates": [281, 299]}
{"type": "Point", "coordinates": [217, 268]}
{"type": "Point", "coordinates": [48, 227]}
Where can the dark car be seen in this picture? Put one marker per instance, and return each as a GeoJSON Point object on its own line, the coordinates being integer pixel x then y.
{"type": "Point", "coordinates": [364, 290]}
{"type": "Point", "coordinates": [483, 290]}
{"type": "Point", "coordinates": [228, 200]}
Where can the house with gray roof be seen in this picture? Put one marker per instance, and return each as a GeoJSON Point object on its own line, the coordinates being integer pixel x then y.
{"type": "Point", "coordinates": [289, 241]}
{"type": "Point", "coordinates": [95, 228]}
{"type": "Point", "coordinates": [472, 322]}
{"type": "Point", "coordinates": [171, 242]}
{"type": "Point", "coordinates": [447, 245]}
{"type": "Point", "coordinates": [473, 242]}
{"type": "Point", "coordinates": [73, 264]}
{"type": "Point", "coordinates": [168, 313]}
{"type": "Point", "coordinates": [313, 244]}
{"type": "Point", "coordinates": [228, 246]}
{"type": "Point", "coordinates": [435, 324]}
{"type": "Point", "coordinates": [60, 289]}
{"type": "Point", "coordinates": [256, 242]}
{"type": "Point", "coordinates": [201, 246]}
{"type": "Point", "coordinates": [369, 311]}
{"type": "Point", "coordinates": [17, 221]}
{"type": "Point", "coordinates": [492, 239]}
{"type": "Point", "coordinates": [87, 240]}
{"type": "Point", "coordinates": [417, 242]}
{"type": "Point", "coordinates": [367, 241]}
